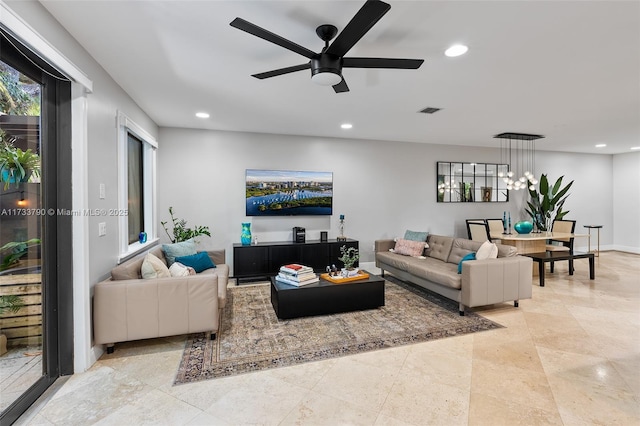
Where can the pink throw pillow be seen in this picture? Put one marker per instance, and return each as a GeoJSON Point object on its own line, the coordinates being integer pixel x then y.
{"type": "Point", "coordinates": [408, 247]}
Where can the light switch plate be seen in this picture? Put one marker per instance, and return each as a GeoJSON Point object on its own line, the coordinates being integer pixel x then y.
{"type": "Point", "coordinates": [102, 191]}
{"type": "Point", "coordinates": [102, 229]}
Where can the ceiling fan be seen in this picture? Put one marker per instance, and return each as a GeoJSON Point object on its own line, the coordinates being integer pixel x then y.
{"type": "Point", "coordinates": [326, 66]}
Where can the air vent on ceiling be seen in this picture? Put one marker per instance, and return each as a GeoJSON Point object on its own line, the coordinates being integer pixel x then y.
{"type": "Point", "coordinates": [518, 136]}
{"type": "Point", "coordinates": [429, 110]}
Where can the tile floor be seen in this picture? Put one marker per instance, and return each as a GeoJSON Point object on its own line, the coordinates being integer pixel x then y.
{"type": "Point", "coordinates": [570, 355]}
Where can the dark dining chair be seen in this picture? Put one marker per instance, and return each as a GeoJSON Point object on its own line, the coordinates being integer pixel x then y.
{"type": "Point", "coordinates": [562, 244]}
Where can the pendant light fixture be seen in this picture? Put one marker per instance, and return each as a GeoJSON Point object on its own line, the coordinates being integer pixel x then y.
{"type": "Point", "coordinates": [518, 150]}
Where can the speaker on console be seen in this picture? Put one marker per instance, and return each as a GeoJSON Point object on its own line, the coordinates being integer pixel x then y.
{"type": "Point", "coordinates": [299, 234]}
{"type": "Point", "coordinates": [324, 236]}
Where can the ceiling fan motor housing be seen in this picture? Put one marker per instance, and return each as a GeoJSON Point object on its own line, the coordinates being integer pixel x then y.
{"type": "Point", "coordinates": [326, 63]}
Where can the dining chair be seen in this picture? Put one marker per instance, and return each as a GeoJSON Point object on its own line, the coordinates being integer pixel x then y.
{"type": "Point", "coordinates": [562, 244]}
{"type": "Point", "coordinates": [478, 230]}
{"type": "Point", "coordinates": [496, 227]}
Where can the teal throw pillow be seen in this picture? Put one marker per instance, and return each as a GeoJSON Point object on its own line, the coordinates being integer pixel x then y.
{"type": "Point", "coordinates": [183, 248]}
{"type": "Point", "coordinates": [199, 261]}
{"type": "Point", "coordinates": [470, 256]}
{"type": "Point", "coordinates": [416, 235]}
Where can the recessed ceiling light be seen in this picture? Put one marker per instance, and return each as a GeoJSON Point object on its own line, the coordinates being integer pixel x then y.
{"type": "Point", "coordinates": [635, 147]}
{"type": "Point", "coordinates": [202, 115]}
{"type": "Point", "coordinates": [346, 125]}
{"type": "Point", "coordinates": [601, 145]}
{"type": "Point", "coordinates": [456, 50]}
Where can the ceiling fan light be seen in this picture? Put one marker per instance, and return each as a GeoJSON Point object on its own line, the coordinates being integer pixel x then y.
{"type": "Point", "coordinates": [326, 78]}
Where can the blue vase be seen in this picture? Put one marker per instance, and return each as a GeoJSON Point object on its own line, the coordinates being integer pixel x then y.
{"type": "Point", "coordinates": [245, 237]}
{"type": "Point", "coordinates": [523, 227]}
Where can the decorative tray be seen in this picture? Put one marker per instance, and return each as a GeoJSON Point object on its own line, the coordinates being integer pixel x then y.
{"type": "Point", "coordinates": [340, 279]}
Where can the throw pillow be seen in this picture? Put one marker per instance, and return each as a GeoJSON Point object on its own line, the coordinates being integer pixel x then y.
{"type": "Point", "coordinates": [183, 248]}
{"type": "Point", "coordinates": [409, 247]}
{"type": "Point", "coordinates": [179, 270]}
{"type": "Point", "coordinates": [416, 235]}
{"type": "Point", "coordinates": [487, 251]}
{"type": "Point", "coordinates": [199, 261]}
{"type": "Point", "coordinates": [469, 256]}
{"type": "Point", "coordinates": [152, 267]}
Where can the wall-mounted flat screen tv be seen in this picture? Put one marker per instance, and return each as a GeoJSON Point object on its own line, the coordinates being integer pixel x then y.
{"type": "Point", "coordinates": [288, 193]}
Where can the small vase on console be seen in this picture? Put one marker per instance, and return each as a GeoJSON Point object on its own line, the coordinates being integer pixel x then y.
{"type": "Point", "coordinates": [245, 237]}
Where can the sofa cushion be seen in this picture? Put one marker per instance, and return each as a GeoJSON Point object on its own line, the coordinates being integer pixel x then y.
{"type": "Point", "coordinates": [462, 247]}
{"type": "Point", "coordinates": [409, 247]}
{"type": "Point", "coordinates": [199, 261]}
{"type": "Point", "coordinates": [436, 271]}
{"type": "Point", "coordinates": [392, 259]}
{"type": "Point", "coordinates": [152, 267]}
{"type": "Point", "coordinates": [487, 251]}
{"type": "Point", "coordinates": [439, 247]}
{"type": "Point", "coordinates": [177, 269]}
{"type": "Point", "coordinates": [416, 235]}
{"type": "Point", "coordinates": [183, 248]}
{"type": "Point", "coordinates": [130, 269]}
{"type": "Point", "coordinates": [505, 250]}
{"type": "Point", "coordinates": [469, 256]}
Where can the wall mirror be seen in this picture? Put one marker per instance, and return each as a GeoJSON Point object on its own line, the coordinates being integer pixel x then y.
{"type": "Point", "coordinates": [471, 182]}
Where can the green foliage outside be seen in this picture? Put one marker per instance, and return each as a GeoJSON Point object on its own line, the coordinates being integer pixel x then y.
{"type": "Point", "coordinates": [15, 250]}
{"type": "Point", "coordinates": [19, 95]}
{"type": "Point", "coordinates": [10, 303]}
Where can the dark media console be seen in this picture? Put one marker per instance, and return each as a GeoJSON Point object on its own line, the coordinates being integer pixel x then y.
{"type": "Point", "coordinates": [265, 259]}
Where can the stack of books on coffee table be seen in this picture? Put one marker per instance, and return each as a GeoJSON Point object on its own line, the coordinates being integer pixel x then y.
{"type": "Point", "coordinates": [296, 274]}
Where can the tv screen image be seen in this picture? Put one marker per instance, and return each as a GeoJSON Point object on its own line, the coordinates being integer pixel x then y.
{"type": "Point", "coordinates": [288, 193]}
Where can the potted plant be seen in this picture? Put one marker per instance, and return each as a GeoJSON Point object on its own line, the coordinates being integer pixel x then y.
{"type": "Point", "coordinates": [546, 206]}
{"type": "Point", "coordinates": [8, 303]}
{"type": "Point", "coordinates": [16, 165]}
{"type": "Point", "coordinates": [16, 250]}
{"type": "Point", "coordinates": [180, 230]}
{"type": "Point", "coordinates": [349, 257]}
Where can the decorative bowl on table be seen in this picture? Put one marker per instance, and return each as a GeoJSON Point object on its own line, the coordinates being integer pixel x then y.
{"type": "Point", "coordinates": [523, 227]}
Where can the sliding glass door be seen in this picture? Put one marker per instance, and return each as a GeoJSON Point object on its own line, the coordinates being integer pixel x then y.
{"type": "Point", "coordinates": [35, 285]}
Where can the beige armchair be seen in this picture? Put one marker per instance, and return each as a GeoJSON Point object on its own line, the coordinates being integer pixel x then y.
{"type": "Point", "coordinates": [127, 307]}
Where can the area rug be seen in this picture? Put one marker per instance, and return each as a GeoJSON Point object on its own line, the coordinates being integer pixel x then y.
{"type": "Point", "coordinates": [252, 338]}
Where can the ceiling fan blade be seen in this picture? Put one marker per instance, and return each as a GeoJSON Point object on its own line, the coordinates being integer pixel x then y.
{"type": "Point", "coordinates": [367, 16]}
{"type": "Point", "coordinates": [282, 71]}
{"type": "Point", "coordinates": [341, 87]}
{"type": "Point", "coordinates": [257, 31]}
{"type": "Point", "coordinates": [408, 64]}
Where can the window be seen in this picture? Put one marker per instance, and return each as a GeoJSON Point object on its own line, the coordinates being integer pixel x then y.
{"type": "Point", "coordinates": [135, 173]}
{"type": "Point", "coordinates": [136, 186]}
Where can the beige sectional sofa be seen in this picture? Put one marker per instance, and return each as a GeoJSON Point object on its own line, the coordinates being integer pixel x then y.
{"type": "Point", "coordinates": [482, 282]}
{"type": "Point", "coordinates": [127, 307]}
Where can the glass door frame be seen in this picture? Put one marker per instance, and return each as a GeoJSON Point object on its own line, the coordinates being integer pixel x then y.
{"type": "Point", "coordinates": [57, 243]}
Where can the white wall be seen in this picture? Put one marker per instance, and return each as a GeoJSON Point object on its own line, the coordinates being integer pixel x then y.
{"type": "Point", "coordinates": [626, 207]}
{"type": "Point", "coordinates": [383, 188]}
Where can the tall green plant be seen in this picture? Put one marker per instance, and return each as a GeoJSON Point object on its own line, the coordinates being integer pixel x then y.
{"type": "Point", "coordinates": [180, 230]}
{"type": "Point", "coordinates": [15, 250]}
{"type": "Point", "coordinates": [546, 206]}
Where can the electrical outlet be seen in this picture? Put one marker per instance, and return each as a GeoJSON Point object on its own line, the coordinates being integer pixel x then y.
{"type": "Point", "coordinates": [103, 191]}
{"type": "Point", "coordinates": [102, 229]}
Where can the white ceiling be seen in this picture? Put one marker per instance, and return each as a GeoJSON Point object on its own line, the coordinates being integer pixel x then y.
{"type": "Point", "coordinates": [569, 70]}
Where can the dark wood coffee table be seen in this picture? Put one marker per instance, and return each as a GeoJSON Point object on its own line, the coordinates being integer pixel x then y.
{"type": "Point", "coordinates": [553, 256]}
{"type": "Point", "coordinates": [325, 297]}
